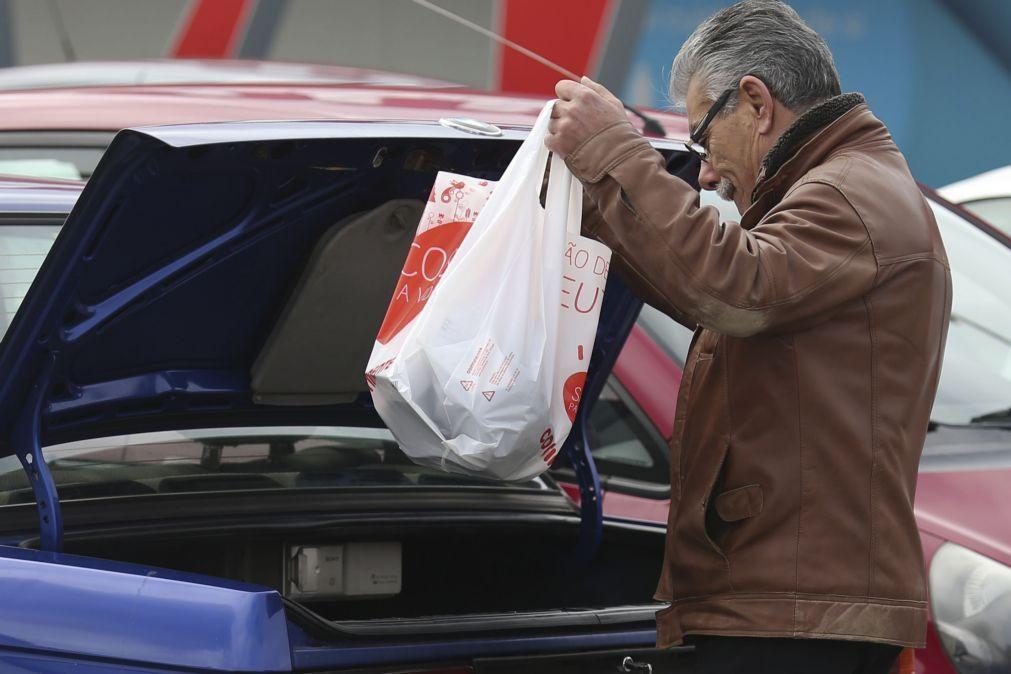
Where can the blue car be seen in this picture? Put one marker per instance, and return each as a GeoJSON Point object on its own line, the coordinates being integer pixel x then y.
{"type": "Point", "coordinates": [193, 477]}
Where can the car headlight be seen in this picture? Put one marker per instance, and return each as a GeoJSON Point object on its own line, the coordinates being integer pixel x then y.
{"type": "Point", "coordinates": [971, 599]}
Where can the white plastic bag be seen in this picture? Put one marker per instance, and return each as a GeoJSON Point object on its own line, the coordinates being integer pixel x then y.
{"type": "Point", "coordinates": [486, 376]}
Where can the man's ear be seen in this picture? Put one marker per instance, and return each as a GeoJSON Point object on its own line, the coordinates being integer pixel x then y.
{"type": "Point", "coordinates": [753, 93]}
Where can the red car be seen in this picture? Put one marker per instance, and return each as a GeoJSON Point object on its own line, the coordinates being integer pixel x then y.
{"type": "Point", "coordinates": [74, 126]}
{"type": "Point", "coordinates": [960, 503]}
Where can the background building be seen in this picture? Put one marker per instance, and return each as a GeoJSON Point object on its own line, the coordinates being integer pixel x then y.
{"type": "Point", "coordinates": [938, 72]}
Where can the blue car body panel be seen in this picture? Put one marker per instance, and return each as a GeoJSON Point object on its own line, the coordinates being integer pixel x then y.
{"type": "Point", "coordinates": [86, 608]}
{"type": "Point", "coordinates": [353, 655]}
{"type": "Point", "coordinates": [34, 663]}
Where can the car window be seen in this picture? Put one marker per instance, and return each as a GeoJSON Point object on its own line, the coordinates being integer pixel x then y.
{"type": "Point", "coordinates": [65, 163]}
{"type": "Point", "coordinates": [39, 168]}
{"type": "Point", "coordinates": [995, 211]}
{"type": "Point", "coordinates": [52, 154]}
{"type": "Point", "coordinates": [623, 442]}
{"type": "Point", "coordinates": [976, 376]}
{"type": "Point", "coordinates": [672, 337]}
{"type": "Point", "coordinates": [22, 250]}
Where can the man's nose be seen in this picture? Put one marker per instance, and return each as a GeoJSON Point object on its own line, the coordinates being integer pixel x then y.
{"type": "Point", "coordinates": [708, 178]}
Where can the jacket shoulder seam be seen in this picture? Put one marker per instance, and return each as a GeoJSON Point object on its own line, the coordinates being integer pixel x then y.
{"type": "Point", "coordinates": [928, 256]}
{"type": "Point", "coordinates": [835, 178]}
{"type": "Point", "coordinates": [800, 294]}
{"type": "Point", "coordinates": [838, 187]}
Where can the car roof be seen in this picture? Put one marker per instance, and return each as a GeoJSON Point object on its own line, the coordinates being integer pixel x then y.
{"type": "Point", "coordinates": [117, 107]}
{"type": "Point", "coordinates": [195, 71]}
{"type": "Point", "coordinates": [988, 185]}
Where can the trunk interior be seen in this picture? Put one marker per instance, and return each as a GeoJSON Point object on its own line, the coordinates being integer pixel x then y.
{"type": "Point", "coordinates": [448, 570]}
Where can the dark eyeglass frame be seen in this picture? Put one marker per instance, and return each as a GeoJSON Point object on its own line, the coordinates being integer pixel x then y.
{"type": "Point", "coordinates": [695, 145]}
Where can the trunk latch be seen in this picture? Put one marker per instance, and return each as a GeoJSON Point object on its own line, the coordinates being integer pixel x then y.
{"type": "Point", "coordinates": [630, 665]}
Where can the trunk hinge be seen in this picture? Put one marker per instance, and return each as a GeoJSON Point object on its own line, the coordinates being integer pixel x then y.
{"type": "Point", "coordinates": [27, 445]}
{"type": "Point", "coordinates": [617, 316]}
{"type": "Point", "coordinates": [591, 508]}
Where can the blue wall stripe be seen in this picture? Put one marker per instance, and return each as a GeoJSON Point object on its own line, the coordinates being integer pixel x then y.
{"type": "Point", "coordinates": [259, 38]}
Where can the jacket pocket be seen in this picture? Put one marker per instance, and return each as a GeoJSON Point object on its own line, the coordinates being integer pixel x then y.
{"type": "Point", "coordinates": [728, 509]}
{"type": "Point", "coordinates": [740, 503]}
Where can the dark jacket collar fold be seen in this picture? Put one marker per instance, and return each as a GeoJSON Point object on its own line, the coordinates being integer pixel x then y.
{"type": "Point", "coordinates": [841, 121]}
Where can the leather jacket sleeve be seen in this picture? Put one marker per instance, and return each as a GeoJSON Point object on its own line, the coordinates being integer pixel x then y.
{"type": "Point", "coordinates": [808, 255]}
{"type": "Point", "coordinates": [631, 276]}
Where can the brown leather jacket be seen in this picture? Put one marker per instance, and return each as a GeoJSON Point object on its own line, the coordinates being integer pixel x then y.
{"type": "Point", "coordinates": [806, 396]}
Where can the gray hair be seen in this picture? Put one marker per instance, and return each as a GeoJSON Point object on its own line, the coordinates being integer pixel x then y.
{"type": "Point", "coordinates": [764, 38]}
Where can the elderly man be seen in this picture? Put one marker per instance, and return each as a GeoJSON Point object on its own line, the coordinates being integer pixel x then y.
{"type": "Point", "coordinates": [821, 322]}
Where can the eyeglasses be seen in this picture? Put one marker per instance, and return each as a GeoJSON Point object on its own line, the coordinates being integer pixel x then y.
{"type": "Point", "coordinates": [697, 136]}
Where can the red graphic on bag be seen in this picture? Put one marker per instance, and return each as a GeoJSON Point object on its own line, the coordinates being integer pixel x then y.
{"type": "Point", "coordinates": [430, 254]}
{"type": "Point", "coordinates": [370, 376]}
{"type": "Point", "coordinates": [548, 449]}
{"type": "Point", "coordinates": [572, 393]}
{"type": "Point", "coordinates": [454, 191]}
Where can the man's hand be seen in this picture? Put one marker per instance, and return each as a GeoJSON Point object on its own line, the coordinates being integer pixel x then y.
{"type": "Point", "coordinates": [583, 109]}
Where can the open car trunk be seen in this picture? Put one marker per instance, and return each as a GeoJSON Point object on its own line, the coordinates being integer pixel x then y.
{"type": "Point", "coordinates": [232, 278]}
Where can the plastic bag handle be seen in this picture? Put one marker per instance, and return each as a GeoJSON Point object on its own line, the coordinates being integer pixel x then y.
{"type": "Point", "coordinates": [564, 195]}
{"type": "Point", "coordinates": [529, 163]}
{"type": "Point", "coordinates": [564, 192]}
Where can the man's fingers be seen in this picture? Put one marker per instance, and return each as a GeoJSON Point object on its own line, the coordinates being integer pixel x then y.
{"type": "Point", "coordinates": [599, 88]}
{"type": "Point", "coordinates": [581, 109]}
{"type": "Point", "coordinates": [551, 142]}
{"type": "Point", "coordinates": [567, 90]}
{"type": "Point", "coordinates": [560, 109]}
{"type": "Point", "coordinates": [601, 91]}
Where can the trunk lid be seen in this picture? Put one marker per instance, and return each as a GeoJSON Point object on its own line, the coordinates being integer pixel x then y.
{"type": "Point", "coordinates": [154, 306]}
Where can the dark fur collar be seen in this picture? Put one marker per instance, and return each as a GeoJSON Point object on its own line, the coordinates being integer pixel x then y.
{"type": "Point", "coordinates": [804, 127]}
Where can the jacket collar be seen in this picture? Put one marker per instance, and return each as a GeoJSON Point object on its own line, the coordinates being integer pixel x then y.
{"type": "Point", "coordinates": [840, 121]}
